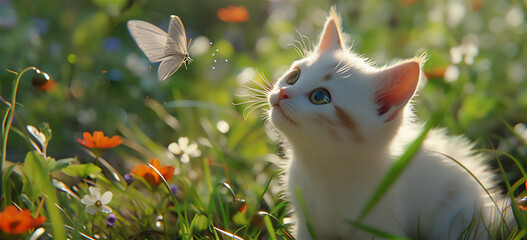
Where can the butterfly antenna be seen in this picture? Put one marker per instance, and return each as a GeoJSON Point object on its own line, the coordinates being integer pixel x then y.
{"type": "Point", "coordinates": [190, 44]}
{"type": "Point", "coordinates": [187, 56]}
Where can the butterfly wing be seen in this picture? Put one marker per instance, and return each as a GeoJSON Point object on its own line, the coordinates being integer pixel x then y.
{"type": "Point", "coordinates": [150, 39]}
{"type": "Point", "coordinates": [175, 49]}
{"type": "Point", "coordinates": [169, 66]}
{"type": "Point", "coordinates": [177, 38]}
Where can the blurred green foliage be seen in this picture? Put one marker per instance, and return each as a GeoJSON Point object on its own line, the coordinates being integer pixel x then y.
{"type": "Point", "coordinates": [477, 48]}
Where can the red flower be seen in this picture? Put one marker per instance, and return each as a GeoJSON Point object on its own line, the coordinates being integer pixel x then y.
{"type": "Point", "coordinates": [150, 175]}
{"type": "Point", "coordinates": [233, 14]}
{"type": "Point", "coordinates": [99, 140]}
{"type": "Point", "coordinates": [15, 221]}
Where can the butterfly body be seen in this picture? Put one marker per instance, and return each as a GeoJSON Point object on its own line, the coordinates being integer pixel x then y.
{"type": "Point", "coordinates": [159, 46]}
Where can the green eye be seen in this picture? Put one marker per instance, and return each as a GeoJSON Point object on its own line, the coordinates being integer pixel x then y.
{"type": "Point", "coordinates": [293, 76]}
{"type": "Point", "coordinates": [320, 96]}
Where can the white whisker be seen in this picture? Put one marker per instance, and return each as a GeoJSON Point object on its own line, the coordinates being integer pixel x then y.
{"type": "Point", "coordinates": [298, 51]}
{"type": "Point", "coordinates": [253, 98]}
{"type": "Point", "coordinates": [251, 101]}
{"type": "Point", "coordinates": [303, 45]}
{"type": "Point", "coordinates": [269, 85]}
{"type": "Point", "coordinates": [261, 91]}
{"type": "Point", "coordinates": [256, 96]}
{"type": "Point", "coordinates": [256, 91]}
{"type": "Point", "coordinates": [252, 107]}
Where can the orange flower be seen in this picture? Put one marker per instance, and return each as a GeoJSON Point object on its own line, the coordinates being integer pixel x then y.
{"type": "Point", "coordinates": [15, 221]}
{"type": "Point", "coordinates": [522, 203]}
{"type": "Point", "coordinates": [437, 72]}
{"type": "Point", "coordinates": [47, 86]}
{"type": "Point", "coordinates": [150, 175]}
{"type": "Point", "coordinates": [408, 2]}
{"type": "Point", "coordinates": [240, 204]}
{"type": "Point", "coordinates": [42, 81]}
{"type": "Point", "coordinates": [99, 140]}
{"type": "Point", "coordinates": [233, 14]}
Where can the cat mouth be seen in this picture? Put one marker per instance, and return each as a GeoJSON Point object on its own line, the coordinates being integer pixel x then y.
{"type": "Point", "coordinates": [277, 106]}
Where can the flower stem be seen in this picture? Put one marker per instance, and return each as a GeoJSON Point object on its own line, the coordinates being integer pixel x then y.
{"type": "Point", "coordinates": [6, 124]}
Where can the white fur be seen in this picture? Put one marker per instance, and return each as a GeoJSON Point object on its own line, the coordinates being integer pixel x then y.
{"type": "Point", "coordinates": [337, 172]}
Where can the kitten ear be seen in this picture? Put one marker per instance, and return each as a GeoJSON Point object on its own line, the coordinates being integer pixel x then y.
{"type": "Point", "coordinates": [397, 86]}
{"type": "Point", "coordinates": [331, 38]}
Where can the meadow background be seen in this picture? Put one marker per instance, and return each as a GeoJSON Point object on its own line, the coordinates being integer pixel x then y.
{"type": "Point", "coordinates": [103, 82]}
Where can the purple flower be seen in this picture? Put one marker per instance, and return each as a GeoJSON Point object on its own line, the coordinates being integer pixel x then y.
{"type": "Point", "coordinates": [112, 44]}
{"type": "Point", "coordinates": [41, 25]}
{"type": "Point", "coordinates": [128, 178]}
{"type": "Point", "coordinates": [173, 188]}
{"type": "Point", "coordinates": [111, 219]}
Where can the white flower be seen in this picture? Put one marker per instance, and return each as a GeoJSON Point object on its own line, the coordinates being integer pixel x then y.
{"type": "Point", "coordinates": [95, 202]}
{"type": "Point", "coordinates": [521, 130]}
{"type": "Point", "coordinates": [183, 148]}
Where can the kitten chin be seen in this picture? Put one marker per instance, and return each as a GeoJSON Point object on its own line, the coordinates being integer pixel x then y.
{"type": "Point", "coordinates": [344, 122]}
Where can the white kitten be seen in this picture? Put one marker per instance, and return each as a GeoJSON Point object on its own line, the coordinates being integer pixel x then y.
{"type": "Point", "coordinates": [344, 121]}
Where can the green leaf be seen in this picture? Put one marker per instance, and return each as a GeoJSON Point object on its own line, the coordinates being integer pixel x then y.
{"type": "Point", "coordinates": [82, 170]}
{"type": "Point", "coordinates": [32, 186]}
{"type": "Point", "coordinates": [35, 168]}
{"type": "Point", "coordinates": [60, 164]}
{"type": "Point", "coordinates": [46, 130]}
{"type": "Point", "coordinates": [40, 137]}
{"type": "Point", "coordinates": [6, 175]}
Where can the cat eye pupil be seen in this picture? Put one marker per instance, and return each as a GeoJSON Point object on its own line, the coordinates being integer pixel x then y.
{"type": "Point", "coordinates": [293, 76]}
{"type": "Point", "coordinates": [320, 96]}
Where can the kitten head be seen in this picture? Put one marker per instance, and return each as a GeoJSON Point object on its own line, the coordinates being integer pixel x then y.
{"type": "Point", "coordinates": [333, 95]}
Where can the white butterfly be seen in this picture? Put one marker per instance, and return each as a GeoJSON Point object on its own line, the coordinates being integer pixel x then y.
{"type": "Point", "coordinates": [169, 49]}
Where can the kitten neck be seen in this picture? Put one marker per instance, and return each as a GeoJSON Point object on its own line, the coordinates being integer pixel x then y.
{"type": "Point", "coordinates": [334, 155]}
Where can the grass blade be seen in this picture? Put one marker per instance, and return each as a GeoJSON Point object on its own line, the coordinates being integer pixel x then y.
{"type": "Point", "coordinates": [269, 227]}
{"type": "Point", "coordinates": [306, 214]}
{"type": "Point", "coordinates": [376, 232]}
{"type": "Point", "coordinates": [6, 123]}
{"type": "Point", "coordinates": [394, 172]}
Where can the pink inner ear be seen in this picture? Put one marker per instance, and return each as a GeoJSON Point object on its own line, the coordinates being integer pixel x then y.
{"type": "Point", "coordinates": [398, 87]}
{"type": "Point", "coordinates": [331, 38]}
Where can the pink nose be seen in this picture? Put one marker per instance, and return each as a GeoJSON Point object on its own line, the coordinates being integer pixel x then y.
{"type": "Point", "coordinates": [282, 94]}
{"type": "Point", "coordinates": [275, 100]}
